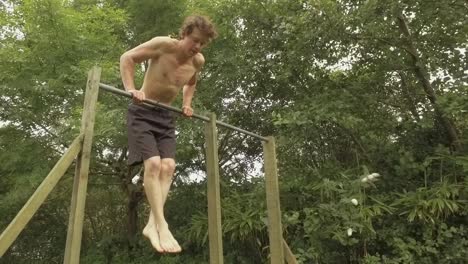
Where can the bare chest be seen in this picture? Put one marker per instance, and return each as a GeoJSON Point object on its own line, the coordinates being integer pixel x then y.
{"type": "Point", "coordinates": [168, 71]}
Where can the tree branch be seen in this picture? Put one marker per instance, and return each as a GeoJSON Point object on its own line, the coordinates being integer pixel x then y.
{"type": "Point", "coordinates": [422, 76]}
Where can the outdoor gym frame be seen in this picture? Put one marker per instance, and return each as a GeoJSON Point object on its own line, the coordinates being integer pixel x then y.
{"type": "Point", "coordinates": [80, 149]}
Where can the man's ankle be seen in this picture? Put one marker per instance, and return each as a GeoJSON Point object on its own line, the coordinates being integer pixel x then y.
{"type": "Point", "coordinates": [162, 225]}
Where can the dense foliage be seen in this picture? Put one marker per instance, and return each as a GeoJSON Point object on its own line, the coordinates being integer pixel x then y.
{"type": "Point", "coordinates": [349, 88]}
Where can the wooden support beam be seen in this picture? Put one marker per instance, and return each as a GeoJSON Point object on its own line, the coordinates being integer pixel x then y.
{"type": "Point", "coordinates": [275, 229]}
{"type": "Point", "coordinates": [80, 184]}
{"type": "Point", "coordinates": [32, 205]}
{"type": "Point", "coordinates": [214, 202]}
{"type": "Point", "coordinates": [289, 256]}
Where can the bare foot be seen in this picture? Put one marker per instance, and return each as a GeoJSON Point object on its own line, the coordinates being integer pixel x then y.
{"type": "Point", "coordinates": [168, 242]}
{"type": "Point", "coordinates": [151, 233]}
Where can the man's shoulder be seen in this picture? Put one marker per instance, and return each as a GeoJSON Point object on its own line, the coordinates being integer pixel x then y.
{"type": "Point", "coordinates": [164, 42]}
{"type": "Point", "coordinates": [198, 61]}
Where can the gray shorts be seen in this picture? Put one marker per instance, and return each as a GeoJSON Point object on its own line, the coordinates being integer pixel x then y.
{"type": "Point", "coordinates": [151, 132]}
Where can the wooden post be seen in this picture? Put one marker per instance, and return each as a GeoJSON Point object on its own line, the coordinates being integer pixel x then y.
{"type": "Point", "coordinates": [273, 204]}
{"type": "Point", "coordinates": [77, 208]}
{"type": "Point", "coordinates": [214, 202]}
{"type": "Point", "coordinates": [32, 205]}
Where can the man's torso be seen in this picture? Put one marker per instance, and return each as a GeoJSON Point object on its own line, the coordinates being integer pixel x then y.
{"type": "Point", "coordinates": [166, 76]}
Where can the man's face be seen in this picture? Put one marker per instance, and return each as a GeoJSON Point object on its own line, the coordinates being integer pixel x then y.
{"type": "Point", "coordinates": [195, 42]}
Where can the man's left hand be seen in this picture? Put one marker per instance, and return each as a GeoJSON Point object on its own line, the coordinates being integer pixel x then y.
{"type": "Point", "coordinates": [187, 111]}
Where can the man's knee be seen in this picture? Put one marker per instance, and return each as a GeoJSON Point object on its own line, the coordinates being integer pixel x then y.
{"type": "Point", "coordinates": [167, 166]}
{"type": "Point", "coordinates": [153, 166]}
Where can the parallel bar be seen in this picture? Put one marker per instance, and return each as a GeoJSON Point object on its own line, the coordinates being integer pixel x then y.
{"type": "Point", "coordinates": [152, 103]}
{"type": "Point", "coordinates": [214, 204]}
{"type": "Point", "coordinates": [275, 229]}
{"type": "Point", "coordinates": [32, 205]}
{"type": "Point", "coordinates": [77, 208]}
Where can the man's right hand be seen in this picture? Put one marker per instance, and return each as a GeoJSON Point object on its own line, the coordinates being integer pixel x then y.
{"type": "Point", "coordinates": [137, 96]}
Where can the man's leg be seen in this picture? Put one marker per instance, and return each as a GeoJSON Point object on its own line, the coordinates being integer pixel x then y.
{"type": "Point", "coordinates": [156, 219]}
{"type": "Point", "coordinates": [166, 175]}
{"type": "Point", "coordinates": [154, 196]}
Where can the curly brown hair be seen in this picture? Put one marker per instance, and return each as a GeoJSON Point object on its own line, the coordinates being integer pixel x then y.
{"type": "Point", "coordinates": [203, 24]}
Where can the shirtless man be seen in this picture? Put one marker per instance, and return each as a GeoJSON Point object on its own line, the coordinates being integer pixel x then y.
{"type": "Point", "coordinates": [173, 65]}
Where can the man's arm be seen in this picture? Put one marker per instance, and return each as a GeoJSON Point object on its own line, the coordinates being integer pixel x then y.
{"type": "Point", "coordinates": [189, 89]}
{"type": "Point", "coordinates": [145, 51]}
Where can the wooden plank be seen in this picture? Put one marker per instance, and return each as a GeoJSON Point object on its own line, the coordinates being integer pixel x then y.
{"type": "Point", "coordinates": [71, 217]}
{"type": "Point", "coordinates": [289, 256]}
{"type": "Point", "coordinates": [273, 204]}
{"type": "Point", "coordinates": [214, 200]}
{"type": "Point", "coordinates": [32, 205]}
{"type": "Point", "coordinates": [80, 184]}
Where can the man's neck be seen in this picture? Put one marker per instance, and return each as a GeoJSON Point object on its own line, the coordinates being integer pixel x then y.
{"type": "Point", "coordinates": [180, 55]}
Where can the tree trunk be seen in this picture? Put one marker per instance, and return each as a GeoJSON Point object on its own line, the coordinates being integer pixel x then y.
{"type": "Point", "coordinates": [409, 97]}
{"type": "Point", "coordinates": [134, 195]}
{"type": "Point", "coordinates": [423, 78]}
{"type": "Point", "coordinates": [132, 218]}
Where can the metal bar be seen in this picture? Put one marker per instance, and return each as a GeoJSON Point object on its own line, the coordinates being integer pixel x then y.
{"type": "Point", "coordinates": [152, 103]}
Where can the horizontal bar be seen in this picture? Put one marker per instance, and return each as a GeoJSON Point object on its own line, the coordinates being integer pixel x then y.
{"type": "Point", "coordinates": [148, 102]}
{"type": "Point", "coordinates": [152, 103]}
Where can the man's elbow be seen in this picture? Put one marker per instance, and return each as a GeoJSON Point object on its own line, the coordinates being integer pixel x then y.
{"type": "Point", "coordinates": [189, 87]}
{"type": "Point", "coordinates": [192, 83]}
{"type": "Point", "coordinates": [126, 59]}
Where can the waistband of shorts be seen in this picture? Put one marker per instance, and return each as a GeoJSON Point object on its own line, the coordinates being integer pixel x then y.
{"type": "Point", "coordinates": [154, 109]}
